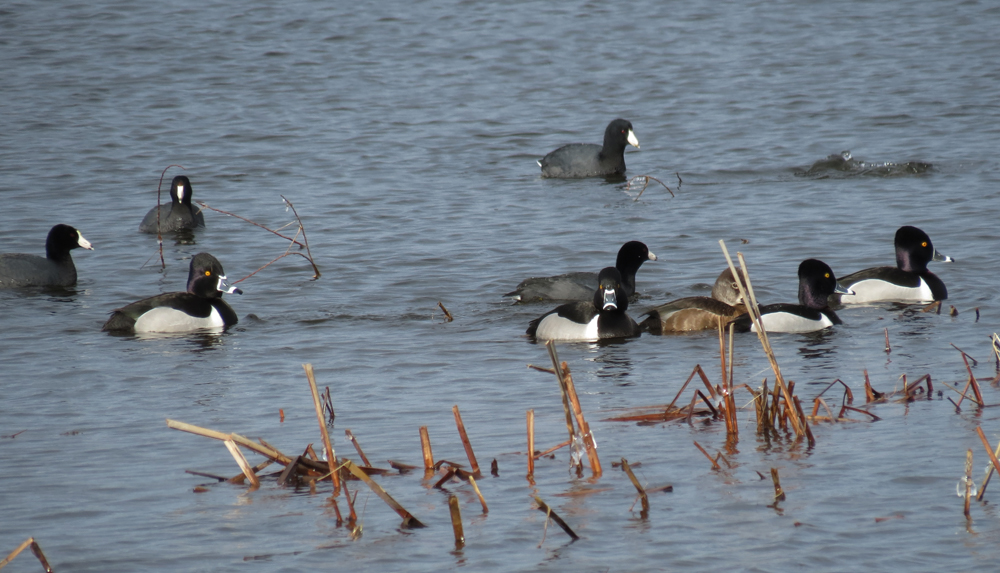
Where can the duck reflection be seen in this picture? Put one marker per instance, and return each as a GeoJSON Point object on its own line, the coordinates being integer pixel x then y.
{"type": "Point", "coordinates": [614, 362]}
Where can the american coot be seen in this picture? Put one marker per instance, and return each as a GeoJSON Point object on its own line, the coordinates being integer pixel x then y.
{"type": "Point", "coordinates": [201, 307]}
{"type": "Point", "coordinates": [603, 317]}
{"type": "Point", "coordinates": [816, 283]}
{"type": "Point", "coordinates": [55, 269]}
{"type": "Point", "coordinates": [179, 214]}
{"type": "Point", "coordinates": [698, 312]}
{"type": "Point", "coordinates": [581, 285]}
{"type": "Point", "coordinates": [590, 160]}
{"type": "Point", "coordinates": [908, 281]}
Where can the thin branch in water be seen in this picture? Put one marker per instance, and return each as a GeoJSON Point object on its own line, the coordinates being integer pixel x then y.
{"type": "Point", "coordinates": [207, 206]}
{"type": "Point", "coordinates": [645, 183]}
{"type": "Point", "coordinates": [159, 236]}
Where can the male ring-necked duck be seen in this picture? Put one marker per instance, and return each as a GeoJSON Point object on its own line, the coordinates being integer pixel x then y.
{"type": "Point", "coordinates": [581, 285]}
{"type": "Point", "coordinates": [698, 312]}
{"type": "Point", "coordinates": [908, 281]}
{"type": "Point", "coordinates": [201, 307]}
{"type": "Point", "coordinates": [591, 160]}
{"type": "Point", "coordinates": [179, 214]}
{"type": "Point", "coordinates": [816, 283]}
{"type": "Point", "coordinates": [603, 317]}
{"type": "Point", "coordinates": [56, 268]}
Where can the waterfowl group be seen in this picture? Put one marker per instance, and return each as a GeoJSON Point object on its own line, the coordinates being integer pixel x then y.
{"type": "Point", "coordinates": [908, 282]}
{"type": "Point", "coordinates": [198, 308]}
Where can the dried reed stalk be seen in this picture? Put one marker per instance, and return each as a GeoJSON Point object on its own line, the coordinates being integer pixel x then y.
{"type": "Point", "coordinates": [542, 506]}
{"type": "Point", "coordinates": [331, 455]}
{"type": "Point", "coordinates": [715, 464]}
{"type": "Point", "coordinates": [479, 494]}
{"type": "Point", "coordinates": [357, 447]}
{"type": "Point", "coordinates": [588, 437]}
{"type": "Point", "coordinates": [968, 483]}
{"type": "Point", "coordinates": [456, 521]}
{"type": "Point", "coordinates": [465, 440]}
{"type": "Point", "coordinates": [242, 462]}
{"type": "Point", "coordinates": [531, 444]}
{"type": "Point", "coordinates": [35, 549]}
{"type": "Point", "coordinates": [972, 378]}
{"type": "Point", "coordinates": [425, 446]}
{"type": "Point", "coordinates": [635, 482]}
{"type": "Point", "coordinates": [447, 315]}
{"type": "Point", "coordinates": [408, 519]}
{"type": "Point", "coordinates": [249, 444]}
{"type": "Point", "coordinates": [994, 463]}
{"type": "Point", "coordinates": [747, 293]}
{"type": "Point", "coordinates": [551, 347]}
{"type": "Point", "coordinates": [779, 494]}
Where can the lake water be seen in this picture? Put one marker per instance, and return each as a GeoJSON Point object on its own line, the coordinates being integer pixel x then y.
{"type": "Point", "coordinates": [406, 137]}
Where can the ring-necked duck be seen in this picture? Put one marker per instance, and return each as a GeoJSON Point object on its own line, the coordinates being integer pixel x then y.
{"type": "Point", "coordinates": [201, 307]}
{"type": "Point", "coordinates": [55, 269]}
{"type": "Point", "coordinates": [604, 317]}
{"type": "Point", "coordinates": [698, 312]}
{"type": "Point", "coordinates": [816, 284]}
{"type": "Point", "coordinates": [179, 214]}
{"type": "Point", "coordinates": [581, 285]}
{"type": "Point", "coordinates": [590, 160]}
{"type": "Point", "coordinates": [908, 281]}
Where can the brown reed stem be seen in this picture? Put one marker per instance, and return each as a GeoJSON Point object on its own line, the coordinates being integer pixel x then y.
{"type": "Point", "coordinates": [242, 462]}
{"type": "Point", "coordinates": [715, 464]}
{"type": "Point", "coordinates": [479, 494]}
{"type": "Point", "coordinates": [357, 447]}
{"type": "Point", "coordinates": [247, 443]}
{"type": "Point", "coordinates": [968, 483]}
{"type": "Point", "coordinates": [465, 440]}
{"type": "Point", "coordinates": [36, 549]}
{"type": "Point", "coordinates": [456, 521]}
{"type": "Point", "coordinates": [994, 463]}
{"type": "Point", "coordinates": [642, 491]}
{"type": "Point", "coordinates": [408, 519]}
{"type": "Point", "coordinates": [542, 506]}
{"type": "Point", "coordinates": [331, 455]}
{"type": "Point", "coordinates": [425, 446]}
{"type": "Point", "coordinates": [531, 444]}
{"type": "Point", "coordinates": [588, 437]}
{"type": "Point", "coordinates": [551, 347]}
{"type": "Point", "coordinates": [779, 494]}
{"type": "Point", "coordinates": [447, 315]}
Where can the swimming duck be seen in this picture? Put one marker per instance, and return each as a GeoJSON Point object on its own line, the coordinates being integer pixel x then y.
{"type": "Point", "coordinates": [603, 317]}
{"type": "Point", "coordinates": [56, 268]}
{"type": "Point", "coordinates": [590, 160]}
{"type": "Point", "coordinates": [201, 307]}
{"type": "Point", "coordinates": [698, 312]}
{"type": "Point", "coordinates": [908, 281]}
{"type": "Point", "coordinates": [816, 284]}
{"type": "Point", "coordinates": [581, 285]}
{"type": "Point", "coordinates": [179, 214]}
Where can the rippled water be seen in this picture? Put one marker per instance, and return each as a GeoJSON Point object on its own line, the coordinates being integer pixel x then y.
{"type": "Point", "coordinates": [406, 137]}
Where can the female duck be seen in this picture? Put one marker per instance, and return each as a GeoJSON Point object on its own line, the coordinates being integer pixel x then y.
{"type": "Point", "coordinates": [581, 285]}
{"type": "Point", "coordinates": [816, 284]}
{"type": "Point", "coordinates": [201, 307]}
{"type": "Point", "coordinates": [55, 269]}
{"type": "Point", "coordinates": [590, 160]}
{"type": "Point", "coordinates": [908, 281]}
{"type": "Point", "coordinates": [698, 312]}
{"type": "Point", "coordinates": [604, 317]}
{"type": "Point", "coordinates": [179, 214]}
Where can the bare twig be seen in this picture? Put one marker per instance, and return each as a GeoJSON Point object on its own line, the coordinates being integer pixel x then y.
{"type": "Point", "coordinates": [646, 179]}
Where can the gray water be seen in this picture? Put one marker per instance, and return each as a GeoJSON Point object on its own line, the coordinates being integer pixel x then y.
{"type": "Point", "coordinates": [406, 137]}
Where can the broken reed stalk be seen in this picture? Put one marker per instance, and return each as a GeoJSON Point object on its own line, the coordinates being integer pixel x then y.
{"type": "Point", "coordinates": [972, 378]}
{"type": "Point", "coordinates": [551, 347]}
{"type": "Point", "coordinates": [779, 494]}
{"type": "Point", "coordinates": [642, 492]}
{"type": "Point", "coordinates": [357, 447]}
{"type": "Point", "coordinates": [465, 440]}
{"type": "Point", "coordinates": [968, 483]}
{"type": "Point", "coordinates": [549, 513]}
{"type": "Point", "coordinates": [531, 444]}
{"type": "Point", "coordinates": [728, 400]}
{"type": "Point", "coordinates": [425, 446]}
{"type": "Point", "coordinates": [242, 462]}
{"type": "Point", "coordinates": [715, 464]}
{"type": "Point", "coordinates": [408, 519]}
{"type": "Point", "coordinates": [35, 549]}
{"type": "Point", "coordinates": [447, 315]}
{"type": "Point", "coordinates": [241, 440]}
{"type": "Point", "coordinates": [994, 463]}
{"type": "Point", "coordinates": [747, 293]}
{"type": "Point", "coordinates": [479, 494]}
{"type": "Point", "coordinates": [588, 437]}
{"type": "Point", "coordinates": [456, 521]}
{"type": "Point", "coordinates": [331, 455]}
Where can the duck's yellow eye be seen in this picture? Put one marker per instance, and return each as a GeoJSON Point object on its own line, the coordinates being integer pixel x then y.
{"type": "Point", "coordinates": [924, 244]}
{"type": "Point", "coordinates": [827, 275]}
{"type": "Point", "coordinates": [208, 273]}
